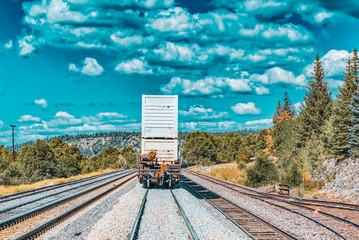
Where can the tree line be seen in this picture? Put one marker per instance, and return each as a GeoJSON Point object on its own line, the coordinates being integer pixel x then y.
{"type": "Point", "coordinates": [297, 144]}
{"type": "Point", "coordinates": [57, 159]}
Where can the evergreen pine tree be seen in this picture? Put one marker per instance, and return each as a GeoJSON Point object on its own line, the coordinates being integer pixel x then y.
{"type": "Point", "coordinates": [354, 109]}
{"type": "Point", "coordinates": [278, 110]}
{"type": "Point", "coordinates": [287, 105]}
{"type": "Point", "coordinates": [318, 103]}
{"type": "Point", "coordinates": [341, 115]}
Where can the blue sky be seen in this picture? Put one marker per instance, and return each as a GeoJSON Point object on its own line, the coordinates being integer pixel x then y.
{"type": "Point", "coordinates": [81, 66]}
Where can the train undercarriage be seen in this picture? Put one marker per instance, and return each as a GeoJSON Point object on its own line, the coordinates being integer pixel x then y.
{"type": "Point", "coordinates": [153, 172]}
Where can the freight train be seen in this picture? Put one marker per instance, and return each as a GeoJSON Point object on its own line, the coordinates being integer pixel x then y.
{"type": "Point", "coordinates": [158, 162]}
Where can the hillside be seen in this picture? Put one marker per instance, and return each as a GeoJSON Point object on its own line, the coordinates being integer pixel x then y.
{"type": "Point", "coordinates": [92, 144]}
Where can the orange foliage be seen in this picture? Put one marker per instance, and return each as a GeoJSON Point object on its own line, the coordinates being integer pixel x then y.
{"type": "Point", "coordinates": [282, 117]}
{"type": "Point", "coordinates": [269, 141]}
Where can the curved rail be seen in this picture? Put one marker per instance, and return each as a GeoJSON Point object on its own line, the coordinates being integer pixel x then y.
{"type": "Point", "coordinates": [263, 195]}
{"type": "Point", "coordinates": [31, 213]}
{"type": "Point", "coordinates": [136, 225]}
{"type": "Point", "coordinates": [304, 201]}
{"type": "Point", "coordinates": [14, 196]}
{"type": "Point", "coordinates": [253, 225]}
{"type": "Point", "coordinates": [189, 226]}
{"type": "Point", "coordinates": [53, 222]}
{"type": "Point", "coordinates": [60, 192]}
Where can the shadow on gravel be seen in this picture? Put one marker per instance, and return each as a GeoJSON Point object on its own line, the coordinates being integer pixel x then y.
{"type": "Point", "coordinates": [198, 188]}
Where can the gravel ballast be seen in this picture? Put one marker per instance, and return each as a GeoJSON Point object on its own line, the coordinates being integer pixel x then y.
{"type": "Point", "coordinates": [80, 225]}
{"type": "Point", "coordinates": [293, 223]}
{"type": "Point", "coordinates": [161, 218]}
{"type": "Point", "coordinates": [207, 222]}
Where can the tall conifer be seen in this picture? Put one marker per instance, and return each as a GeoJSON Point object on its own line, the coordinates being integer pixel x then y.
{"type": "Point", "coordinates": [354, 109]}
{"type": "Point", "coordinates": [287, 105]}
{"type": "Point", "coordinates": [317, 107]}
{"type": "Point", "coordinates": [278, 110]}
{"type": "Point", "coordinates": [341, 115]}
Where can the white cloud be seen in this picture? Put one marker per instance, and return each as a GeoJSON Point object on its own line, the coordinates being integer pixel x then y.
{"type": "Point", "coordinates": [26, 46]}
{"type": "Point", "coordinates": [279, 75]}
{"type": "Point", "coordinates": [29, 118]}
{"type": "Point", "coordinates": [199, 112]}
{"type": "Point", "coordinates": [73, 67]}
{"type": "Point", "coordinates": [110, 115]}
{"type": "Point", "coordinates": [333, 62]}
{"type": "Point", "coordinates": [63, 115]}
{"type": "Point", "coordinates": [206, 86]}
{"type": "Point", "coordinates": [91, 67]}
{"type": "Point", "coordinates": [1, 124]}
{"type": "Point", "coordinates": [42, 102]}
{"type": "Point", "coordinates": [260, 122]}
{"type": "Point", "coordinates": [8, 45]}
{"type": "Point", "coordinates": [134, 66]}
{"type": "Point", "coordinates": [298, 106]}
{"type": "Point", "coordinates": [246, 108]}
{"type": "Point", "coordinates": [261, 90]}
{"type": "Point", "coordinates": [210, 126]}
{"type": "Point", "coordinates": [321, 16]}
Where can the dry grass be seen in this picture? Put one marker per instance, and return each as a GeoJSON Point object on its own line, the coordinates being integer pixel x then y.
{"type": "Point", "coordinates": [25, 187]}
{"type": "Point", "coordinates": [226, 171]}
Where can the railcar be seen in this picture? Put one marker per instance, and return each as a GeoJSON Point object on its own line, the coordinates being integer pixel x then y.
{"type": "Point", "coordinates": [158, 162]}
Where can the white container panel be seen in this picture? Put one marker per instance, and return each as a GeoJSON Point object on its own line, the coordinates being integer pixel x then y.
{"type": "Point", "coordinates": [166, 149]}
{"type": "Point", "coordinates": [160, 116]}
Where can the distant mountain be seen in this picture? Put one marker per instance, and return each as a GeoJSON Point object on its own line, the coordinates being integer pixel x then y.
{"type": "Point", "coordinates": [92, 144]}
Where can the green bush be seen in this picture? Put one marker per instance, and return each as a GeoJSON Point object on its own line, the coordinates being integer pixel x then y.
{"type": "Point", "coordinates": [262, 172]}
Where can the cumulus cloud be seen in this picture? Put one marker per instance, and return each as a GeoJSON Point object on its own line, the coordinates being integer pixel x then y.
{"type": "Point", "coordinates": [266, 121]}
{"type": "Point", "coordinates": [41, 102]}
{"type": "Point", "coordinates": [1, 124]}
{"type": "Point", "coordinates": [29, 118]}
{"type": "Point", "coordinates": [279, 75]}
{"type": "Point", "coordinates": [201, 113]}
{"type": "Point", "coordinates": [8, 44]}
{"type": "Point", "coordinates": [246, 108]}
{"type": "Point", "coordinates": [134, 66]}
{"type": "Point", "coordinates": [161, 35]}
{"type": "Point", "coordinates": [26, 45]}
{"type": "Point", "coordinates": [333, 62]}
{"type": "Point", "coordinates": [90, 68]}
{"type": "Point", "coordinates": [210, 126]}
{"type": "Point", "coordinates": [206, 86]}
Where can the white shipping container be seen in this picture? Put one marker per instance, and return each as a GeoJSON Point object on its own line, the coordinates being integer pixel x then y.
{"type": "Point", "coordinates": [166, 149]}
{"type": "Point", "coordinates": [159, 116]}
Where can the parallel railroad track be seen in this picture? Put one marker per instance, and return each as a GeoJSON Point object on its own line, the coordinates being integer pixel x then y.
{"type": "Point", "coordinates": [136, 225]}
{"type": "Point", "coordinates": [318, 216]}
{"type": "Point", "coordinates": [14, 196]}
{"type": "Point", "coordinates": [29, 204]}
{"type": "Point", "coordinates": [303, 201]}
{"type": "Point", "coordinates": [33, 223]}
{"type": "Point", "coordinates": [253, 225]}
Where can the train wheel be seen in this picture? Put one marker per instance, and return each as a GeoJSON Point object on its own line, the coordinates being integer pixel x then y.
{"type": "Point", "coordinates": [148, 184]}
{"type": "Point", "coordinates": [169, 182]}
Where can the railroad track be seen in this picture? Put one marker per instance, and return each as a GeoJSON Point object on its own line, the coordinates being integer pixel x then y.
{"type": "Point", "coordinates": [303, 201]}
{"type": "Point", "coordinates": [253, 225]}
{"type": "Point", "coordinates": [321, 218]}
{"type": "Point", "coordinates": [14, 196]}
{"type": "Point", "coordinates": [33, 223]}
{"type": "Point", "coordinates": [28, 204]}
{"type": "Point", "coordinates": [136, 225]}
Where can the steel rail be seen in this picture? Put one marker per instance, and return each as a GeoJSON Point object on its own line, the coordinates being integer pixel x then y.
{"type": "Point", "coordinates": [277, 229]}
{"type": "Point", "coordinates": [31, 213]}
{"type": "Point", "coordinates": [264, 195]}
{"type": "Point", "coordinates": [260, 198]}
{"type": "Point", "coordinates": [14, 196]}
{"type": "Point", "coordinates": [63, 191]}
{"type": "Point", "coordinates": [53, 222]}
{"type": "Point", "coordinates": [324, 203]}
{"type": "Point", "coordinates": [189, 226]}
{"type": "Point", "coordinates": [136, 225]}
